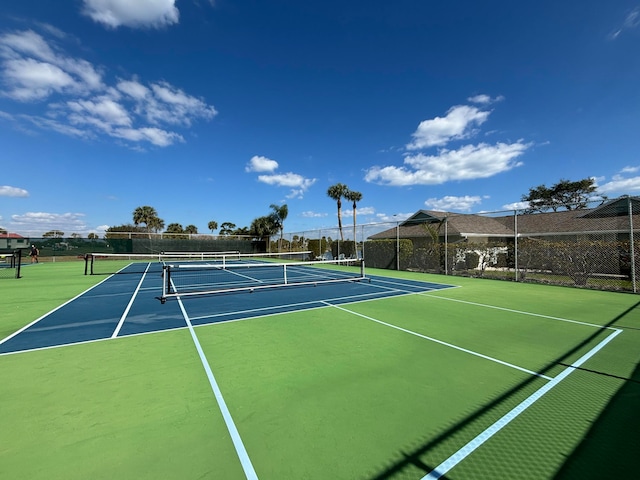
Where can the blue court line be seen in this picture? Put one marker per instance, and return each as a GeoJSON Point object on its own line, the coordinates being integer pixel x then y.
{"type": "Point", "coordinates": [474, 444]}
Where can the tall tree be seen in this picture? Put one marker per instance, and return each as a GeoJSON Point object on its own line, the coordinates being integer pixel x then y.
{"type": "Point", "coordinates": [155, 224]}
{"type": "Point", "coordinates": [244, 231]}
{"type": "Point", "coordinates": [337, 192]}
{"type": "Point", "coordinates": [212, 225]}
{"type": "Point", "coordinates": [263, 227]}
{"type": "Point", "coordinates": [227, 228]}
{"type": "Point", "coordinates": [564, 194]}
{"type": "Point", "coordinates": [354, 197]}
{"type": "Point", "coordinates": [279, 215]}
{"type": "Point", "coordinates": [174, 228]}
{"type": "Point", "coordinates": [148, 216]}
{"type": "Point", "coordinates": [192, 229]}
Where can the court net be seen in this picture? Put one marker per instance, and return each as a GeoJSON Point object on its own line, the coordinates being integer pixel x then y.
{"type": "Point", "coordinates": [117, 263]}
{"type": "Point", "coordinates": [189, 279]}
{"type": "Point", "coordinates": [10, 263]}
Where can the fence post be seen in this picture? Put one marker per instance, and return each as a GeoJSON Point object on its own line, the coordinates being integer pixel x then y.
{"type": "Point", "coordinates": [633, 253]}
{"type": "Point", "coordinates": [398, 246]}
{"type": "Point", "coordinates": [446, 245]}
{"type": "Point", "coordinates": [515, 242]}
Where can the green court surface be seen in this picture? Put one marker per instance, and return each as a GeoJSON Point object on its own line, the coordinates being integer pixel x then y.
{"type": "Point", "coordinates": [491, 380]}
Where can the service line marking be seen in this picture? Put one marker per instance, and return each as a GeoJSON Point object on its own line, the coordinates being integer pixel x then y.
{"type": "Point", "coordinates": [435, 340]}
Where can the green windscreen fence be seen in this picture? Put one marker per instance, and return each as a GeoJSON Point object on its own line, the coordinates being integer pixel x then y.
{"type": "Point", "coordinates": [62, 249]}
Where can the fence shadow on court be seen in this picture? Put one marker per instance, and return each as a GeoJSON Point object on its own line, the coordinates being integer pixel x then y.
{"type": "Point", "coordinates": [610, 447]}
{"type": "Point", "coordinates": [616, 417]}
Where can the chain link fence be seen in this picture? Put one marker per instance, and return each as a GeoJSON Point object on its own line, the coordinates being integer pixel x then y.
{"type": "Point", "coordinates": [593, 247]}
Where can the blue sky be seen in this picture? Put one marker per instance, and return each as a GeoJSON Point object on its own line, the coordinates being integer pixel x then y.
{"type": "Point", "coordinates": [214, 110]}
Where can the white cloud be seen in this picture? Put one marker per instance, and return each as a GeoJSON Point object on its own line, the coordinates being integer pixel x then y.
{"type": "Point", "coordinates": [298, 184]}
{"type": "Point", "coordinates": [261, 164]}
{"type": "Point", "coordinates": [37, 223]}
{"type": "Point", "coordinates": [33, 80]}
{"type": "Point", "coordinates": [452, 203]}
{"type": "Point", "coordinates": [620, 185]}
{"type": "Point", "coordinates": [81, 105]}
{"type": "Point", "coordinates": [397, 217]}
{"type": "Point", "coordinates": [156, 136]}
{"type": "Point", "coordinates": [631, 21]}
{"type": "Point", "coordinates": [104, 108]}
{"type": "Point", "coordinates": [132, 13]}
{"type": "Point", "coordinates": [27, 43]}
{"type": "Point", "coordinates": [7, 191]}
{"type": "Point", "coordinates": [32, 69]}
{"type": "Point", "coordinates": [287, 180]}
{"type": "Point", "coordinates": [483, 99]}
{"type": "Point", "coordinates": [466, 163]}
{"type": "Point", "coordinates": [171, 105]}
{"type": "Point", "coordinates": [133, 88]}
{"type": "Point", "coordinates": [310, 214]}
{"type": "Point", "coordinates": [456, 125]}
{"type": "Point", "coordinates": [359, 211]}
{"type": "Point", "coordinates": [516, 206]}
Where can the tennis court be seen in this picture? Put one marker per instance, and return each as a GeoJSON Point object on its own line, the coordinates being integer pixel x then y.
{"type": "Point", "coordinates": [338, 373]}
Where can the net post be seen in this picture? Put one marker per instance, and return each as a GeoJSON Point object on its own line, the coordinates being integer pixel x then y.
{"type": "Point", "coordinates": [92, 260]}
{"type": "Point", "coordinates": [86, 262]}
{"type": "Point", "coordinates": [18, 261]}
{"type": "Point", "coordinates": [165, 277]}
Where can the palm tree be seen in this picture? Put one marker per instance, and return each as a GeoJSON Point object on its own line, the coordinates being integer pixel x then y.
{"type": "Point", "coordinates": [174, 228]}
{"type": "Point", "coordinates": [263, 227]}
{"type": "Point", "coordinates": [279, 216]}
{"type": "Point", "coordinates": [156, 224]}
{"type": "Point", "coordinates": [354, 197]}
{"type": "Point", "coordinates": [146, 215]}
{"type": "Point", "coordinates": [212, 225]}
{"type": "Point", "coordinates": [336, 192]}
{"type": "Point", "coordinates": [191, 229]}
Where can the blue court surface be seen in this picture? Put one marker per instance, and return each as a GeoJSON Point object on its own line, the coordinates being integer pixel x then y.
{"type": "Point", "coordinates": [128, 304]}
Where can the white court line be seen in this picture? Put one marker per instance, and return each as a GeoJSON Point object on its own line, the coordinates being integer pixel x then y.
{"type": "Point", "coordinates": [126, 310]}
{"type": "Point", "coordinates": [245, 461]}
{"type": "Point", "coordinates": [431, 292]}
{"type": "Point", "coordinates": [357, 299]}
{"type": "Point", "coordinates": [517, 311]}
{"type": "Point", "coordinates": [450, 345]}
{"type": "Point", "coordinates": [470, 447]}
{"type": "Point", "coordinates": [361, 297]}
